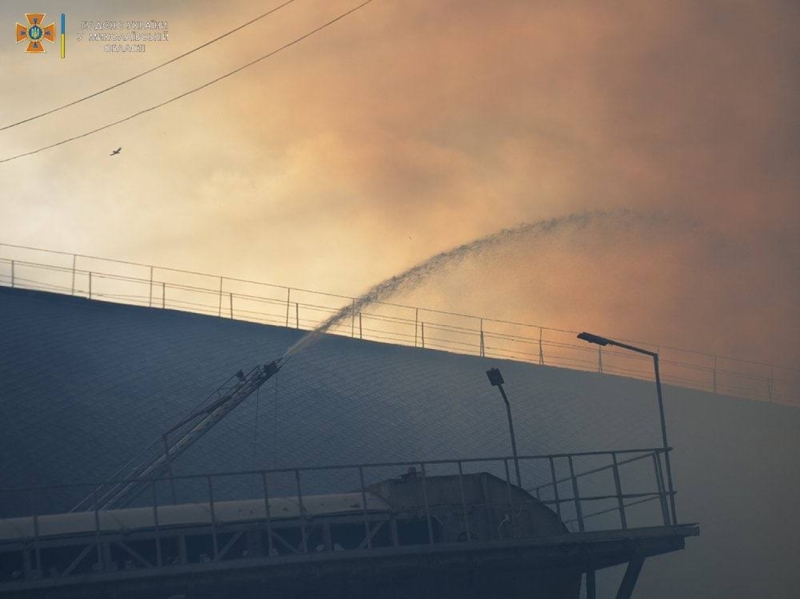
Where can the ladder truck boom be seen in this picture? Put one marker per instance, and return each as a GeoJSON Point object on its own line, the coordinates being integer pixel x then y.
{"type": "Point", "coordinates": [157, 458]}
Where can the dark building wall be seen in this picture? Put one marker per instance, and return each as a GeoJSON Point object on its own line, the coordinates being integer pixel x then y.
{"type": "Point", "coordinates": [85, 385]}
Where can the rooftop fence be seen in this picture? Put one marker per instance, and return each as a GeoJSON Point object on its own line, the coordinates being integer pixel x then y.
{"type": "Point", "coordinates": [225, 297]}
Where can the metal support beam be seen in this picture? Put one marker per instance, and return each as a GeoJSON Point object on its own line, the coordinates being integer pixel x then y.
{"type": "Point", "coordinates": [231, 542]}
{"type": "Point", "coordinates": [78, 559]}
{"type": "Point", "coordinates": [591, 585]}
{"type": "Point", "coordinates": [134, 554]}
{"type": "Point", "coordinates": [631, 576]}
{"type": "Point", "coordinates": [367, 542]}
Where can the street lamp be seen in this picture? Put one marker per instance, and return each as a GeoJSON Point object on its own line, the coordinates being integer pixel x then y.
{"type": "Point", "coordinates": [496, 380]}
{"type": "Point", "coordinates": [602, 341]}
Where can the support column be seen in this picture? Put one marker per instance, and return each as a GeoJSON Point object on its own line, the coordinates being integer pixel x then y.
{"type": "Point", "coordinates": [591, 587]}
{"type": "Point", "coordinates": [630, 578]}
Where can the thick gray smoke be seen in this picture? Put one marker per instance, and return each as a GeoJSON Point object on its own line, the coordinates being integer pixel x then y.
{"type": "Point", "coordinates": [414, 276]}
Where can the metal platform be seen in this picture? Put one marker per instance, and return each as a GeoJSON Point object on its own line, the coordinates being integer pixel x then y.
{"type": "Point", "coordinates": [443, 529]}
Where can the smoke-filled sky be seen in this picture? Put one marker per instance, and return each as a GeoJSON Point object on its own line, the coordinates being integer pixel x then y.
{"type": "Point", "coordinates": [414, 126]}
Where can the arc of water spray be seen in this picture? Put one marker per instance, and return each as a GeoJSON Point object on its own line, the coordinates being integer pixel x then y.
{"type": "Point", "coordinates": [415, 275]}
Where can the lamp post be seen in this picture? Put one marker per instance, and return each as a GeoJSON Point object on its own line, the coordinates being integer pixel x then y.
{"type": "Point", "coordinates": [602, 341]}
{"type": "Point", "coordinates": [496, 380]}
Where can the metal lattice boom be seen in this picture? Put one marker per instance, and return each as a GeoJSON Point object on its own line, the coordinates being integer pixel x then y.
{"type": "Point", "coordinates": [157, 458]}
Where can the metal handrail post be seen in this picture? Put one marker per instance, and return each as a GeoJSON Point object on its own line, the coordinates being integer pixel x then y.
{"type": "Point", "coordinates": [302, 511]}
{"type": "Point", "coordinates": [576, 495]}
{"type": "Point", "coordinates": [159, 557]}
{"type": "Point", "coordinates": [714, 382]}
{"type": "Point", "coordinates": [464, 501]}
{"type": "Point", "coordinates": [169, 469]}
{"type": "Point", "coordinates": [213, 517]}
{"type": "Point", "coordinates": [771, 381]}
{"type": "Point", "coordinates": [267, 513]}
{"type": "Point", "coordinates": [367, 534]}
{"type": "Point", "coordinates": [427, 509]}
{"type": "Point", "coordinates": [101, 562]}
{"type": "Point", "coordinates": [36, 537]}
{"type": "Point", "coordinates": [666, 443]}
{"type": "Point", "coordinates": [618, 486]}
{"type": "Point", "coordinates": [219, 313]}
{"type": "Point", "coordinates": [541, 350]}
{"type": "Point", "coordinates": [661, 490]}
{"type": "Point", "coordinates": [555, 487]}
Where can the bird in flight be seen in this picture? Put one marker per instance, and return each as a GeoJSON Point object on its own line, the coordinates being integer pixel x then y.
{"type": "Point", "coordinates": [115, 152]}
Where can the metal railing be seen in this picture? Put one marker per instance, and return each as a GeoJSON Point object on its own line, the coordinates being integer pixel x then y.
{"type": "Point", "coordinates": [166, 288]}
{"type": "Point", "coordinates": [583, 501]}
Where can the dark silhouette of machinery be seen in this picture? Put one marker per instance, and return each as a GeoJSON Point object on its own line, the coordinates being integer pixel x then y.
{"type": "Point", "coordinates": [453, 534]}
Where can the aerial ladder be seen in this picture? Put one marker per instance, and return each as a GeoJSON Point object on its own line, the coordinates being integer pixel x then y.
{"type": "Point", "coordinates": [156, 459]}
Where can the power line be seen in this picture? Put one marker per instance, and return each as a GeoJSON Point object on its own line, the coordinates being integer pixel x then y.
{"type": "Point", "coordinates": [147, 72]}
{"type": "Point", "coordinates": [194, 90]}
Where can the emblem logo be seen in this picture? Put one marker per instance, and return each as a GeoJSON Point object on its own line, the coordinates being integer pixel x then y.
{"type": "Point", "coordinates": [35, 33]}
